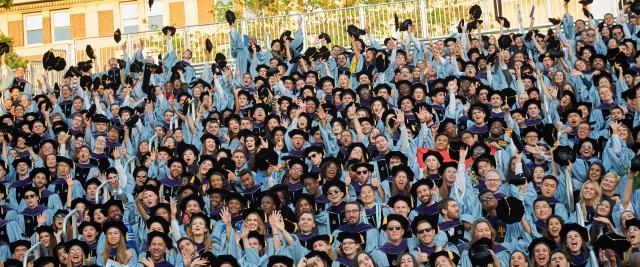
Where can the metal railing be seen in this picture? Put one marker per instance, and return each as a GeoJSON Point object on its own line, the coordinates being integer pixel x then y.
{"type": "Point", "coordinates": [435, 18]}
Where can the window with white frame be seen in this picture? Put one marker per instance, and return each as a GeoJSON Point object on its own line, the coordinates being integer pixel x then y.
{"type": "Point", "coordinates": [155, 17]}
{"type": "Point", "coordinates": [33, 28]}
{"type": "Point", "coordinates": [61, 26]}
{"type": "Point", "coordinates": [129, 16]}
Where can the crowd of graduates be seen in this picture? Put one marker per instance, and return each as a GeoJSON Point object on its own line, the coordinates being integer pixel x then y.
{"type": "Point", "coordinates": [505, 150]}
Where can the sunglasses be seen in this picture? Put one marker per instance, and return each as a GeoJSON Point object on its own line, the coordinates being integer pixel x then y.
{"type": "Point", "coordinates": [425, 230]}
{"type": "Point", "coordinates": [487, 198]}
{"type": "Point", "coordinates": [394, 228]}
{"type": "Point", "coordinates": [362, 172]}
{"type": "Point", "coordinates": [29, 196]}
{"type": "Point", "coordinates": [335, 191]}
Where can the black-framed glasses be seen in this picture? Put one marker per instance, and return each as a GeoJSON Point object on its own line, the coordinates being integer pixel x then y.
{"type": "Point", "coordinates": [30, 196]}
{"type": "Point", "coordinates": [362, 172]}
{"type": "Point", "coordinates": [424, 230]}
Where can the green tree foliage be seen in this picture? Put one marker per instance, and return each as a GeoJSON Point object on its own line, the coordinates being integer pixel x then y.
{"type": "Point", "coordinates": [6, 3]}
{"type": "Point", "coordinates": [13, 60]}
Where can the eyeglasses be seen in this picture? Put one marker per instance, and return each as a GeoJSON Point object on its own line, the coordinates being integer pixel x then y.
{"type": "Point", "coordinates": [487, 198]}
{"type": "Point", "coordinates": [425, 230]}
{"type": "Point", "coordinates": [59, 217]}
{"type": "Point", "coordinates": [313, 156]}
{"type": "Point", "coordinates": [362, 172]}
{"type": "Point", "coordinates": [394, 228]}
{"type": "Point", "coordinates": [29, 196]}
{"type": "Point", "coordinates": [335, 191]}
{"type": "Point", "coordinates": [76, 250]}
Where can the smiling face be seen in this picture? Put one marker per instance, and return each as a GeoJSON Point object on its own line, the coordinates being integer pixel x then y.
{"type": "Point", "coordinates": [187, 248]}
{"type": "Point", "coordinates": [633, 233]}
{"type": "Point", "coordinates": [554, 226]}
{"type": "Point", "coordinates": [335, 195]}
{"type": "Point", "coordinates": [113, 236]}
{"type": "Point", "coordinates": [76, 255]}
{"type": "Point", "coordinates": [589, 191]}
{"type": "Point", "coordinates": [574, 242]}
{"type": "Point", "coordinates": [157, 248]}
{"type": "Point", "coordinates": [541, 254]}
{"type": "Point", "coordinates": [518, 259]}
{"type": "Point", "coordinates": [394, 231]}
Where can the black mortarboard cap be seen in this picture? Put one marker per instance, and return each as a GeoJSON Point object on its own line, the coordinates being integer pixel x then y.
{"type": "Point", "coordinates": [89, 51]}
{"type": "Point", "coordinates": [381, 62]}
{"type": "Point", "coordinates": [563, 155]}
{"type": "Point", "coordinates": [355, 31]}
{"type": "Point", "coordinates": [48, 60]}
{"type": "Point", "coordinates": [405, 25]}
{"type": "Point", "coordinates": [4, 48]}
{"type": "Point", "coordinates": [325, 36]}
{"type": "Point", "coordinates": [506, 22]}
{"type": "Point", "coordinates": [510, 210]}
{"type": "Point", "coordinates": [574, 227]}
{"type": "Point", "coordinates": [544, 240]}
{"type": "Point", "coordinates": [473, 25]}
{"type": "Point", "coordinates": [60, 64]}
{"type": "Point", "coordinates": [475, 12]}
{"type": "Point", "coordinates": [619, 244]}
{"type": "Point", "coordinates": [504, 41]}
{"type": "Point", "coordinates": [169, 30]}
{"type": "Point", "coordinates": [230, 17]}
{"type": "Point", "coordinates": [208, 45]}
{"type": "Point", "coordinates": [117, 35]}
{"type": "Point", "coordinates": [480, 252]}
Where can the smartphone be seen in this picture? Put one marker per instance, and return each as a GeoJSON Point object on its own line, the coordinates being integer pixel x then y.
{"type": "Point", "coordinates": [533, 8]}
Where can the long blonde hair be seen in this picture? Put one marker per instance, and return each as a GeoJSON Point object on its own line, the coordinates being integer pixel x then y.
{"type": "Point", "coordinates": [261, 229]}
{"type": "Point", "coordinates": [596, 199]}
{"type": "Point", "coordinates": [208, 244]}
{"type": "Point", "coordinates": [121, 254]}
{"type": "Point", "coordinates": [85, 259]}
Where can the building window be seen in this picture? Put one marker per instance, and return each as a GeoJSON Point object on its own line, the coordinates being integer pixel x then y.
{"type": "Point", "coordinates": [33, 25]}
{"type": "Point", "coordinates": [155, 17]}
{"type": "Point", "coordinates": [61, 26]}
{"type": "Point", "coordinates": [129, 15]}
